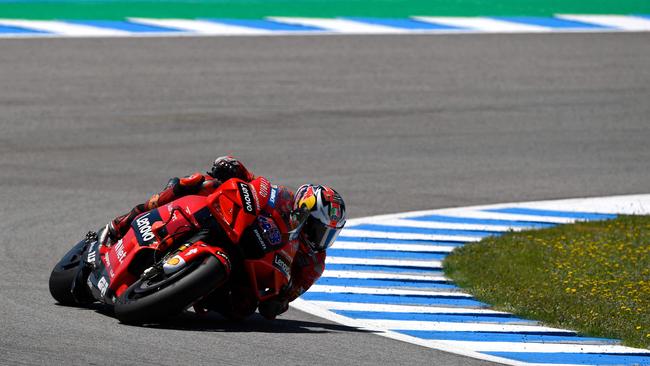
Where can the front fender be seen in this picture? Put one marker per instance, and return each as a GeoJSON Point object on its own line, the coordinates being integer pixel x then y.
{"type": "Point", "coordinates": [68, 278]}
{"type": "Point", "coordinates": [196, 251]}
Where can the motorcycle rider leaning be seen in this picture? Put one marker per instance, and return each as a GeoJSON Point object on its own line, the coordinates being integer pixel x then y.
{"type": "Point", "coordinates": [315, 215]}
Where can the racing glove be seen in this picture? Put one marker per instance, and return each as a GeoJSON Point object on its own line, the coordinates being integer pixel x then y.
{"type": "Point", "coordinates": [186, 185]}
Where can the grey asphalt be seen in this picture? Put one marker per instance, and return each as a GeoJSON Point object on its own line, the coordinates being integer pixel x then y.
{"type": "Point", "coordinates": [89, 127]}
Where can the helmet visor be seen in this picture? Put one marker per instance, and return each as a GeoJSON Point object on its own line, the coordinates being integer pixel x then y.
{"type": "Point", "coordinates": [297, 220]}
{"type": "Point", "coordinates": [318, 235]}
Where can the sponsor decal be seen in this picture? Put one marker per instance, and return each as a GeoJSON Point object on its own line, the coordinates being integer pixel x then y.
{"type": "Point", "coordinates": [270, 230]}
{"type": "Point", "coordinates": [119, 251]}
{"type": "Point", "coordinates": [246, 197]}
{"type": "Point", "coordinates": [225, 259]}
{"type": "Point", "coordinates": [142, 227]}
{"type": "Point", "coordinates": [107, 260]}
{"type": "Point", "coordinates": [267, 234]}
{"type": "Point", "coordinates": [91, 253]}
{"type": "Point", "coordinates": [274, 193]}
{"type": "Point", "coordinates": [260, 240]}
{"type": "Point", "coordinates": [264, 188]}
{"type": "Point", "coordinates": [257, 202]}
{"type": "Point", "coordinates": [173, 264]}
{"type": "Point", "coordinates": [335, 213]}
{"type": "Point", "coordinates": [102, 285]}
{"type": "Point", "coordinates": [91, 257]}
{"type": "Point", "coordinates": [192, 251]}
{"type": "Point", "coordinates": [308, 199]}
{"type": "Point", "coordinates": [281, 263]}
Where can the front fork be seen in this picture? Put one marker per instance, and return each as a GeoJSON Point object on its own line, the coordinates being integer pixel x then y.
{"type": "Point", "coordinates": [98, 279]}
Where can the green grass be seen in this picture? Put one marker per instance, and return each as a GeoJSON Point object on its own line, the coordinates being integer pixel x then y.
{"type": "Point", "coordinates": [591, 277]}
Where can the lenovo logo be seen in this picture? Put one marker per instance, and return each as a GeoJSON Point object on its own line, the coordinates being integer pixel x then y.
{"type": "Point", "coordinates": [246, 197]}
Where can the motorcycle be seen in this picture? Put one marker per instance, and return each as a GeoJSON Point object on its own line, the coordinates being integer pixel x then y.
{"type": "Point", "coordinates": [156, 270]}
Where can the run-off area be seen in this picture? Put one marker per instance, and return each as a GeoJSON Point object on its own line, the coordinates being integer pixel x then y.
{"type": "Point", "coordinates": [385, 274]}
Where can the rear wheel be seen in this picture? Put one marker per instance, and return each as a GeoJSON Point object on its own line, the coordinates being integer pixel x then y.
{"type": "Point", "coordinates": [161, 296]}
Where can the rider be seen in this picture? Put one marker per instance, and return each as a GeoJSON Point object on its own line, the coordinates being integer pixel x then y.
{"type": "Point", "coordinates": [317, 213]}
{"type": "Point", "coordinates": [223, 168]}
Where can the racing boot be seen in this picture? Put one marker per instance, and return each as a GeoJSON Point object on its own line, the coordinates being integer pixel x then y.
{"type": "Point", "coordinates": [116, 229]}
{"type": "Point", "coordinates": [108, 235]}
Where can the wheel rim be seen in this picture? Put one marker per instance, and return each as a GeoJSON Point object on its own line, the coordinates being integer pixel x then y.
{"type": "Point", "coordinates": [149, 286]}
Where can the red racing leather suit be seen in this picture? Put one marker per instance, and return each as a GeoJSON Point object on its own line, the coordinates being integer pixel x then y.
{"type": "Point", "coordinates": [307, 265]}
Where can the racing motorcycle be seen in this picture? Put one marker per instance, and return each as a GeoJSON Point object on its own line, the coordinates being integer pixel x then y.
{"type": "Point", "coordinates": [156, 271]}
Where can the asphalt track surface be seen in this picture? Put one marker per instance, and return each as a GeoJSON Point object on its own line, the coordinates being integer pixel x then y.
{"type": "Point", "coordinates": [89, 127]}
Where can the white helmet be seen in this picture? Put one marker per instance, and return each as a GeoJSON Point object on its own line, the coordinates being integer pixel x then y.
{"type": "Point", "coordinates": [321, 212]}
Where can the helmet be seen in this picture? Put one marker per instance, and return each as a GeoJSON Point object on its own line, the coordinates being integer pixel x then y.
{"type": "Point", "coordinates": [227, 167]}
{"type": "Point", "coordinates": [320, 211]}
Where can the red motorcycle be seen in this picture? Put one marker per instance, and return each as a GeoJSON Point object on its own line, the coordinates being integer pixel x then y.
{"type": "Point", "coordinates": [158, 270]}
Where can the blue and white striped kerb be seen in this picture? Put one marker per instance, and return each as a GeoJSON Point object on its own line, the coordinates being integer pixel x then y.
{"type": "Point", "coordinates": [384, 274]}
{"type": "Point", "coordinates": [139, 27]}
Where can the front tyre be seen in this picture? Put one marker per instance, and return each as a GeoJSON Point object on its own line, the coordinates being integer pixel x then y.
{"type": "Point", "coordinates": [154, 299]}
{"type": "Point", "coordinates": [68, 278]}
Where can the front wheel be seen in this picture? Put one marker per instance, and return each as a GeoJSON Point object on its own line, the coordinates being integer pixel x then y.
{"type": "Point", "coordinates": [68, 278]}
{"type": "Point", "coordinates": [154, 299]}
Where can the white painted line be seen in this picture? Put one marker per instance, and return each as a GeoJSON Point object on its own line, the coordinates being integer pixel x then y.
{"type": "Point", "coordinates": [385, 291]}
{"type": "Point", "coordinates": [340, 25]}
{"type": "Point", "coordinates": [628, 23]}
{"type": "Point", "coordinates": [445, 225]}
{"type": "Point", "coordinates": [195, 28]}
{"type": "Point", "coordinates": [310, 308]}
{"type": "Point", "coordinates": [543, 347]}
{"type": "Point", "coordinates": [484, 24]}
{"type": "Point", "coordinates": [384, 262]}
{"type": "Point", "coordinates": [388, 308]}
{"type": "Point", "coordinates": [475, 214]}
{"type": "Point", "coordinates": [200, 27]}
{"type": "Point", "coordinates": [460, 327]}
{"type": "Point", "coordinates": [625, 204]}
{"type": "Point", "coordinates": [629, 205]}
{"type": "Point", "coordinates": [63, 28]}
{"type": "Point", "coordinates": [384, 235]}
{"type": "Point", "coordinates": [396, 247]}
{"type": "Point", "coordinates": [379, 275]}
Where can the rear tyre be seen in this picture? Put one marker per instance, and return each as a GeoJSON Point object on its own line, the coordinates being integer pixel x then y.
{"type": "Point", "coordinates": [160, 297]}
